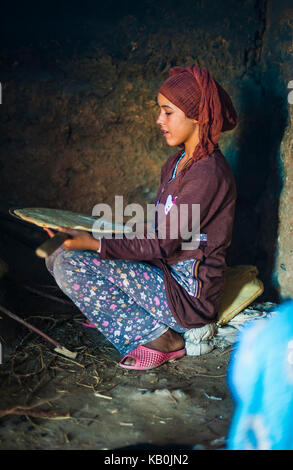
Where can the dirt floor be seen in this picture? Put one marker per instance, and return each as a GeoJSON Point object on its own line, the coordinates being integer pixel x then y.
{"type": "Point", "coordinates": [89, 402]}
{"type": "Point", "coordinates": [49, 401]}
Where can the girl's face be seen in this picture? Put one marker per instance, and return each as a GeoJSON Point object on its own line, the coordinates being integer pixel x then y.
{"type": "Point", "coordinates": [176, 127]}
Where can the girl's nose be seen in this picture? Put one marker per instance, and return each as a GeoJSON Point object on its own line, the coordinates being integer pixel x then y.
{"type": "Point", "coordinates": [159, 120]}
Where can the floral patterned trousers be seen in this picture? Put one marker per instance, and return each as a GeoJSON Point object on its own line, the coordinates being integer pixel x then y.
{"type": "Point", "coordinates": [125, 300]}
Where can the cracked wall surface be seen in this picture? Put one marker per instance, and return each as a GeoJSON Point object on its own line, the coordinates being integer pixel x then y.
{"type": "Point", "coordinates": [77, 122]}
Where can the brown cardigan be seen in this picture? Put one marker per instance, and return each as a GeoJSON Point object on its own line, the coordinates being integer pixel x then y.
{"type": "Point", "coordinates": [210, 183]}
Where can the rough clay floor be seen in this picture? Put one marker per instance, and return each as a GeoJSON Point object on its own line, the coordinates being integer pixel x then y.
{"type": "Point", "coordinates": [53, 402]}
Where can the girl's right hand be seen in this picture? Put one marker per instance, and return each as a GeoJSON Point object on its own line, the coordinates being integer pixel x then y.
{"type": "Point", "coordinates": [77, 239]}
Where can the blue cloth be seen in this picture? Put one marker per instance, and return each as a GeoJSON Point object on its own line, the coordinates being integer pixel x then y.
{"type": "Point", "coordinates": [260, 377]}
{"type": "Point", "coordinates": [176, 166]}
{"type": "Point", "coordinates": [183, 273]}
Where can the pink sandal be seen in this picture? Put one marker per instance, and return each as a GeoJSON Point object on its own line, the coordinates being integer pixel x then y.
{"type": "Point", "coordinates": [147, 358]}
{"type": "Point", "coordinates": [89, 324]}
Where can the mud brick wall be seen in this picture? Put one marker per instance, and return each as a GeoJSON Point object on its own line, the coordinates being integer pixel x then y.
{"type": "Point", "coordinates": [77, 120]}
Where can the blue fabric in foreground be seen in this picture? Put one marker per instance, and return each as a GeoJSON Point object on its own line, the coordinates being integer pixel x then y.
{"type": "Point", "coordinates": [260, 378]}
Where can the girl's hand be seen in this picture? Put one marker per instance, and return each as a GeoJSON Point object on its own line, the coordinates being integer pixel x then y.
{"type": "Point", "coordinates": [80, 240]}
{"type": "Point", "coordinates": [49, 232]}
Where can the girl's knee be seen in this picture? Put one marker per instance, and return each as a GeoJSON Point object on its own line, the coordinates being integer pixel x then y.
{"type": "Point", "coordinates": [50, 260]}
{"type": "Point", "coordinates": [63, 262]}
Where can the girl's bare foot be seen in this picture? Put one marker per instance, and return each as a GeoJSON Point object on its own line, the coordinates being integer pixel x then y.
{"type": "Point", "coordinates": [168, 342]}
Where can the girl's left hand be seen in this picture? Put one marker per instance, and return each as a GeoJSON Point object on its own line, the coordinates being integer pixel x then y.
{"type": "Point", "coordinates": [80, 240]}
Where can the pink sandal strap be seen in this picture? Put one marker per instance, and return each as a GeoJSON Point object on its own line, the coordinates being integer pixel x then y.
{"type": "Point", "coordinates": [147, 358]}
{"type": "Point", "coordinates": [89, 325]}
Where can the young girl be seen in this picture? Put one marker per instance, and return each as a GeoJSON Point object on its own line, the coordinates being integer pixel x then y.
{"type": "Point", "coordinates": [143, 294]}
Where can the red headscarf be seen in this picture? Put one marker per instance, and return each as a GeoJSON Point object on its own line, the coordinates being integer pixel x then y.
{"type": "Point", "coordinates": [200, 97]}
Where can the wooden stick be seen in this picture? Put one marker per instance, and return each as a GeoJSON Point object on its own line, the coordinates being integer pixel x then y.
{"type": "Point", "coordinates": [31, 411]}
{"type": "Point", "coordinates": [58, 347]}
{"type": "Point", "coordinates": [47, 296]}
{"type": "Point", "coordinates": [36, 413]}
{"type": "Point", "coordinates": [49, 246]}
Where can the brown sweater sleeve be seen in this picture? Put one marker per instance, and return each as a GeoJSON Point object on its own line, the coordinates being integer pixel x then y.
{"type": "Point", "coordinates": [201, 186]}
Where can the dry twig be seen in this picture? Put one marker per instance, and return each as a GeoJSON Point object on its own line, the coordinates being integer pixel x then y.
{"type": "Point", "coordinates": [31, 411]}
{"type": "Point", "coordinates": [58, 347]}
{"type": "Point", "coordinates": [48, 414]}
{"type": "Point", "coordinates": [48, 296]}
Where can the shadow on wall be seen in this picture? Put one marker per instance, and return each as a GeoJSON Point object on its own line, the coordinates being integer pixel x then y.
{"type": "Point", "coordinates": [263, 119]}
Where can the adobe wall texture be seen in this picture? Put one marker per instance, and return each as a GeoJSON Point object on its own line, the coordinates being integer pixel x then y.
{"type": "Point", "coordinates": [77, 121]}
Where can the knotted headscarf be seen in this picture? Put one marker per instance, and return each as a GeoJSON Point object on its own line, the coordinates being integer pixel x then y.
{"type": "Point", "coordinates": [200, 97]}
